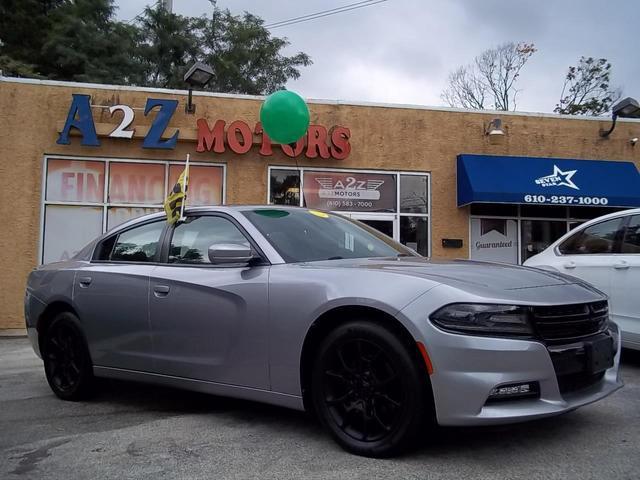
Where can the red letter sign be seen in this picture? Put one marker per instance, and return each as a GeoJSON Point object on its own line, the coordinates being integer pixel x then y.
{"type": "Point", "coordinates": [210, 138]}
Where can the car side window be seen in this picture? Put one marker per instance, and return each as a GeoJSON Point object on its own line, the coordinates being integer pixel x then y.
{"type": "Point", "coordinates": [138, 244]}
{"type": "Point", "coordinates": [191, 240]}
{"type": "Point", "coordinates": [631, 240]}
{"type": "Point", "coordinates": [596, 239]}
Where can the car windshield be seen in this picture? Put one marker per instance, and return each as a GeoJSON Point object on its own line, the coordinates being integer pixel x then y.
{"type": "Point", "coordinates": [310, 235]}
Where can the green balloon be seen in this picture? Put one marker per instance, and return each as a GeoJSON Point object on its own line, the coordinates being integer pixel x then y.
{"type": "Point", "coordinates": [284, 116]}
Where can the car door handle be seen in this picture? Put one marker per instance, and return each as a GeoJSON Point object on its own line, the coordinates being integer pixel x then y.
{"type": "Point", "coordinates": [622, 265]}
{"type": "Point", "coordinates": [569, 265]}
{"type": "Point", "coordinates": [84, 281]}
{"type": "Point", "coordinates": [161, 290]}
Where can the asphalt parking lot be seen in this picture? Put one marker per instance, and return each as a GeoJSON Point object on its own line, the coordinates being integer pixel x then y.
{"type": "Point", "coordinates": [135, 431]}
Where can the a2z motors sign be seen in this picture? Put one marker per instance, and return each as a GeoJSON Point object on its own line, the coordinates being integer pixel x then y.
{"type": "Point", "coordinates": [81, 118]}
{"type": "Point", "coordinates": [217, 136]}
{"type": "Point", "coordinates": [355, 192]}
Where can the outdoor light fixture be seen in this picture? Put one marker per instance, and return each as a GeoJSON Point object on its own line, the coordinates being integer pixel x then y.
{"type": "Point", "coordinates": [494, 131]}
{"type": "Point", "coordinates": [627, 108]}
{"type": "Point", "coordinates": [197, 76]}
{"type": "Point", "coordinates": [494, 128]}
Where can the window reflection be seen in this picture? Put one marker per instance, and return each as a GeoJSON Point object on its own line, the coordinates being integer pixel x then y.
{"type": "Point", "coordinates": [414, 194]}
{"type": "Point", "coordinates": [414, 233]}
{"type": "Point", "coordinates": [539, 234]}
{"type": "Point", "coordinates": [598, 238]}
{"type": "Point", "coordinates": [285, 187]}
{"type": "Point", "coordinates": [191, 240]}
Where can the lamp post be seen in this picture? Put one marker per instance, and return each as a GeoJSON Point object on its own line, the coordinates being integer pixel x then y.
{"type": "Point", "coordinates": [627, 108]}
{"type": "Point", "coordinates": [197, 76]}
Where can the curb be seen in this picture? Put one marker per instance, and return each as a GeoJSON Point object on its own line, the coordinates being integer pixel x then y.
{"type": "Point", "coordinates": [13, 333]}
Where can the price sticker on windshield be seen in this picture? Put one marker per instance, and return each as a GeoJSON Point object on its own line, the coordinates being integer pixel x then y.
{"type": "Point", "coordinates": [318, 213]}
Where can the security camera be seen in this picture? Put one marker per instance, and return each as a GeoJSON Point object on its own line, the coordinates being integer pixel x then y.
{"type": "Point", "coordinates": [633, 141]}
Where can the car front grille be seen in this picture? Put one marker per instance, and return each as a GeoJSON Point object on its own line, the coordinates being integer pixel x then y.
{"type": "Point", "coordinates": [566, 323]}
{"type": "Point", "coordinates": [578, 381]}
{"type": "Point", "coordinates": [568, 331]}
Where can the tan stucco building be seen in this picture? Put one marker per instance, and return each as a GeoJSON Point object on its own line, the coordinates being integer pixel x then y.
{"type": "Point", "coordinates": [395, 167]}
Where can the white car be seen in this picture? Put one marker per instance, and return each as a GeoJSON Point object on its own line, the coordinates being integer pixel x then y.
{"type": "Point", "coordinates": [606, 253]}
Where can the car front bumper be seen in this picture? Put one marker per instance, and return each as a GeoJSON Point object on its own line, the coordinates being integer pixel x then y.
{"type": "Point", "coordinates": [467, 368]}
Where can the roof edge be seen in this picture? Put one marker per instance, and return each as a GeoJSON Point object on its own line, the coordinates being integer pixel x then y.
{"type": "Point", "coordinates": [355, 103]}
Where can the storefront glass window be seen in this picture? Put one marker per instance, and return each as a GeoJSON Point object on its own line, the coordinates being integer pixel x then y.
{"type": "Point", "coordinates": [77, 208]}
{"type": "Point", "coordinates": [494, 209]}
{"type": "Point", "coordinates": [543, 211]}
{"type": "Point", "coordinates": [588, 213]}
{"type": "Point", "coordinates": [575, 224]}
{"type": "Point", "coordinates": [384, 226]}
{"type": "Point", "coordinates": [284, 187]}
{"type": "Point", "coordinates": [414, 194]}
{"type": "Point", "coordinates": [205, 183]}
{"type": "Point", "coordinates": [75, 181]}
{"type": "Point", "coordinates": [139, 183]}
{"type": "Point", "coordinates": [67, 229]}
{"type": "Point", "coordinates": [536, 235]}
{"type": "Point", "coordinates": [414, 233]}
{"type": "Point", "coordinates": [119, 215]}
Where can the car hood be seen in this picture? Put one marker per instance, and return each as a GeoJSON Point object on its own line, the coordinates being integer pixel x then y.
{"type": "Point", "coordinates": [459, 273]}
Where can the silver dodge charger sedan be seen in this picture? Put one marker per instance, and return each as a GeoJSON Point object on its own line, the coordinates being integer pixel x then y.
{"type": "Point", "coordinates": [310, 310]}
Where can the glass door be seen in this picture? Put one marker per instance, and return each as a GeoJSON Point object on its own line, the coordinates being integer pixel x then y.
{"type": "Point", "coordinates": [536, 235]}
{"type": "Point", "coordinates": [383, 223]}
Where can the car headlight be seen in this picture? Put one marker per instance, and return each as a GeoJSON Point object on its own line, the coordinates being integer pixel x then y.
{"type": "Point", "coordinates": [482, 319]}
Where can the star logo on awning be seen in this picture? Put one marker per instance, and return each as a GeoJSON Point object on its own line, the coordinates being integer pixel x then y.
{"type": "Point", "coordinates": [565, 176]}
{"type": "Point", "coordinates": [558, 178]}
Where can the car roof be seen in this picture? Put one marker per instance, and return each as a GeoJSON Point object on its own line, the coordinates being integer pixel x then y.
{"type": "Point", "coordinates": [621, 213]}
{"type": "Point", "coordinates": [200, 208]}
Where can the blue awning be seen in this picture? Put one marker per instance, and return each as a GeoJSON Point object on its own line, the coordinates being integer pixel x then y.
{"type": "Point", "coordinates": [551, 181]}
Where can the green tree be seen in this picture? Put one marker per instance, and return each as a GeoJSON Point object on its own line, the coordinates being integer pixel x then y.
{"type": "Point", "coordinates": [165, 46]}
{"type": "Point", "coordinates": [81, 40]}
{"type": "Point", "coordinates": [65, 40]}
{"type": "Point", "coordinates": [85, 44]}
{"type": "Point", "coordinates": [587, 88]}
{"type": "Point", "coordinates": [243, 54]}
{"type": "Point", "coordinates": [22, 23]}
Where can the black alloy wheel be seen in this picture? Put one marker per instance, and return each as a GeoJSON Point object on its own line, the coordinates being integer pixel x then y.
{"type": "Point", "coordinates": [67, 364]}
{"type": "Point", "coordinates": [369, 390]}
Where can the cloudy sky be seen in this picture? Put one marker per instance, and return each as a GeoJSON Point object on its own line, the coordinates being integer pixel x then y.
{"type": "Point", "coordinates": [400, 51]}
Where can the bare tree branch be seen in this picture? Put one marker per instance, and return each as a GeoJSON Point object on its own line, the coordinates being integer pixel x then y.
{"type": "Point", "coordinates": [490, 81]}
{"type": "Point", "coordinates": [464, 90]}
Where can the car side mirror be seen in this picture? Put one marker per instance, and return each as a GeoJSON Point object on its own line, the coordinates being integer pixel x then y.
{"type": "Point", "coordinates": [222, 253]}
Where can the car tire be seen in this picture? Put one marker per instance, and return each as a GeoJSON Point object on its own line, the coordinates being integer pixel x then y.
{"type": "Point", "coordinates": [67, 363]}
{"type": "Point", "coordinates": [369, 390]}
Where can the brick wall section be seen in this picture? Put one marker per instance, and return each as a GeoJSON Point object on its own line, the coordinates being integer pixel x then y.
{"type": "Point", "coordinates": [381, 138]}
